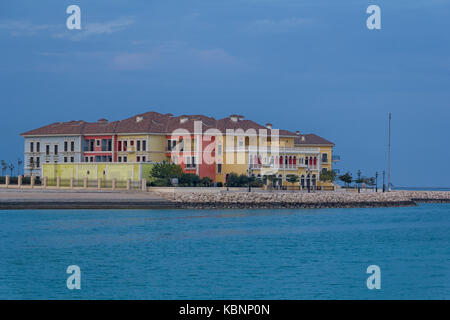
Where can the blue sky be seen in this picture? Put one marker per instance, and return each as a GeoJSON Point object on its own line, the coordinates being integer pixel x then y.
{"type": "Point", "coordinates": [307, 65]}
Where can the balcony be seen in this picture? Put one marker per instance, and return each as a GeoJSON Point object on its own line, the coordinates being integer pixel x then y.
{"type": "Point", "coordinates": [274, 150]}
{"type": "Point", "coordinates": [282, 167]}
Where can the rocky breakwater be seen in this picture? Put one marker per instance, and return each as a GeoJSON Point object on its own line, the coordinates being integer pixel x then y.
{"type": "Point", "coordinates": [223, 199]}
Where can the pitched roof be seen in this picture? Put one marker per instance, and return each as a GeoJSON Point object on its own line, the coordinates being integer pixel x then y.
{"type": "Point", "coordinates": [69, 128]}
{"type": "Point", "coordinates": [154, 122]}
{"type": "Point", "coordinates": [311, 139]}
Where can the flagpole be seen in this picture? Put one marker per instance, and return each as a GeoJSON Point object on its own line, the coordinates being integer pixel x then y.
{"type": "Point", "coordinates": [389, 155]}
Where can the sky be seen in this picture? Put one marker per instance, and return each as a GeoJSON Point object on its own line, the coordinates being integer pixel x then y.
{"type": "Point", "coordinates": [309, 65]}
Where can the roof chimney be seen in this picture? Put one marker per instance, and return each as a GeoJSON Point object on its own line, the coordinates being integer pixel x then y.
{"type": "Point", "coordinates": [183, 119]}
{"type": "Point", "coordinates": [234, 117]}
{"type": "Point", "coordinates": [240, 117]}
{"type": "Point", "coordinates": [269, 126]}
{"type": "Point", "coordinates": [139, 119]}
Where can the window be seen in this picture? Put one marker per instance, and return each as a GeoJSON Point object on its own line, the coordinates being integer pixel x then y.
{"type": "Point", "coordinates": [125, 145]}
{"type": "Point", "coordinates": [104, 145]}
{"type": "Point", "coordinates": [219, 149]}
{"type": "Point", "coordinates": [97, 142]}
{"type": "Point", "coordinates": [131, 142]}
{"type": "Point", "coordinates": [324, 157]}
{"type": "Point", "coordinates": [219, 168]}
{"type": "Point", "coordinates": [125, 159]}
{"type": "Point", "coordinates": [143, 159]}
{"type": "Point", "coordinates": [86, 159]}
{"type": "Point", "coordinates": [72, 159]}
{"type": "Point", "coordinates": [66, 146]}
{"type": "Point", "coordinates": [324, 170]}
{"type": "Point", "coordinates": [65, 159]}
{"type": "Point", "coordinates": [56, 149]}
{"type": "Point", "coordinates": [72, 146]}
{"type": "Point", "coordinates": [190, 162]}
{"type": "Point", "coordinates": [91, 159]}
{"type": "Point", "coordinates": [31, 161]}
{"type": "Point", "coordinates": [138, 159]}
{"type": "Point", "coordinates": [119, 159]}
{"type": "Point", "coordinates": [91, 145]}
{"type": "Point", "coordinates": [31, 146]}
{"type": "Point", "coordinates": [38, 146]}
{"type": "Point", "coordinates": [109, 144]}
{"type": "Point", "coordinates": [138, 145]}
{"type": "Point", "coordinates": [144, 145]}
{"type": "Point", "coordinates": [119, 146]}
{"type": "Point", "coordinates": [38, 162]}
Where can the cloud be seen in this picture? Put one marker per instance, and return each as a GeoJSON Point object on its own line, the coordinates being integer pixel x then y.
{"type": "Point", "coordinates": [97, 28]}
{"type": "Point", "coordinates": [18, 28]}
{"type": "Point", "coordinates": [173, 55]}
{"type": "Point", "coordinates": [277, 26]}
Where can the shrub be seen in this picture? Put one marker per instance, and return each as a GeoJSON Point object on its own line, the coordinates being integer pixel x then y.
{"type": "Point", "coordinates": [189, 180]}
{"type": "Point", "coordinates": [166, 170]}
{"type": "Point", "coordinates": [205, 182]}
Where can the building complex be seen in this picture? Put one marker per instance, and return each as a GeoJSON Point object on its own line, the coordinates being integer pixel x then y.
{"type": "Point", "coordinates": [201, 145]}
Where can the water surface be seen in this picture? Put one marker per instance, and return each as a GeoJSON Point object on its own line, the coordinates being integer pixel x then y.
{"type": "Point", "coordinates": [226, 254]}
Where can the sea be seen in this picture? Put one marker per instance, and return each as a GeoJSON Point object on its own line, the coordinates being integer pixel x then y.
{"type": "Point", "coordinates": [226, 254]}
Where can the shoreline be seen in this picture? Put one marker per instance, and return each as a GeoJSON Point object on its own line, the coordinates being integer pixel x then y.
{"type": "Point", "coordinates": [215, 200]}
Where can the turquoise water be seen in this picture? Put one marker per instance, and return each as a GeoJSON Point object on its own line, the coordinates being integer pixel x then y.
{"type": "Point", "coordinates": [226, 254]}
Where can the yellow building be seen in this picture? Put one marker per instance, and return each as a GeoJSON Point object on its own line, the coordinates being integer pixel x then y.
{"type": "Point", "coordinates": [141, 148]}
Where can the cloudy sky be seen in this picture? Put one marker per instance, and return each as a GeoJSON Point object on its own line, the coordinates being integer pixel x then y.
{"type": "Point", "coordinates": [308, 65]}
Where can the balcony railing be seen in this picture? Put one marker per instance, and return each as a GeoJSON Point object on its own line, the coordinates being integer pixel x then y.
{"type": "Point", "coordinates": [279, 150]}
{"type": "Point", "coordinates": [283, 166]}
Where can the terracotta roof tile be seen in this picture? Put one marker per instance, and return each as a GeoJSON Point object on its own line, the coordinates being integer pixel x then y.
{"type": "Point", "coordinates": [154, 122]}
{"type": "Point", "coordinates": [311, 139]}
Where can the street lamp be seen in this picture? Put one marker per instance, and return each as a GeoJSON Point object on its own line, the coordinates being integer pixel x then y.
{"type": "Point", "coordinates": [249, 171]}
{"type": "Point", "coordinates": [376, 181]}
{"type": "Point", "coordinates": [359, 181]}
{"type": "Point", "coordinates": [384, 187]}
{"type": "Point", "coordinates": [308, 179]}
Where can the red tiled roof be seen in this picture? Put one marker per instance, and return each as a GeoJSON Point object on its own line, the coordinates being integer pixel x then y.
{"type": "Point", "coordinates": [68, 128]}
{"type": "Point", "coordinates": [311, 139]}
{"type": "Point", "coordinates": [154, 122]}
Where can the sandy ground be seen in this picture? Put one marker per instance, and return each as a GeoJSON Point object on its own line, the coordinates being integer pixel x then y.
{"type": "Point", "coordinates": [14, 195]}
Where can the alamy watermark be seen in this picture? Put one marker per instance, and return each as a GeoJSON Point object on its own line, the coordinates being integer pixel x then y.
{"type": "Point", "coordinates": [74, 280]}
{"type": "Point", "coordinates": [374, 280]}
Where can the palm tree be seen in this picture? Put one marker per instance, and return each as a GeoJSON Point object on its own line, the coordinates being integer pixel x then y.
{"type": "Point", "coordinates": [19, 164]}
{"type": "Point", "coordinates": [11, 167]}
{"type": "Point", "coordinates": [292, 178]}
{"type": "Point", "coordinates": [4, 166]}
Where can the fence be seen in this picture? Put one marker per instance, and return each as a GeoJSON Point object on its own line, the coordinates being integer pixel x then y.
{"type": "Point", "coordinates": [17, 182]}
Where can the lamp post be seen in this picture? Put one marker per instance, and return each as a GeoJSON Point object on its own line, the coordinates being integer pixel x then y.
{"type": "Point", "coordinates": [19, 164]}
{"type": "Point", "coordinates": [249, 171]}
{"type": "Point", "coordinates": [376, 181]}
{"type": "Point", "coordinates": [359, 181]}
{"type": "Point", "coordinates": [308, 179]}
{"type": "Point", "coordinates": [384, 187]}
